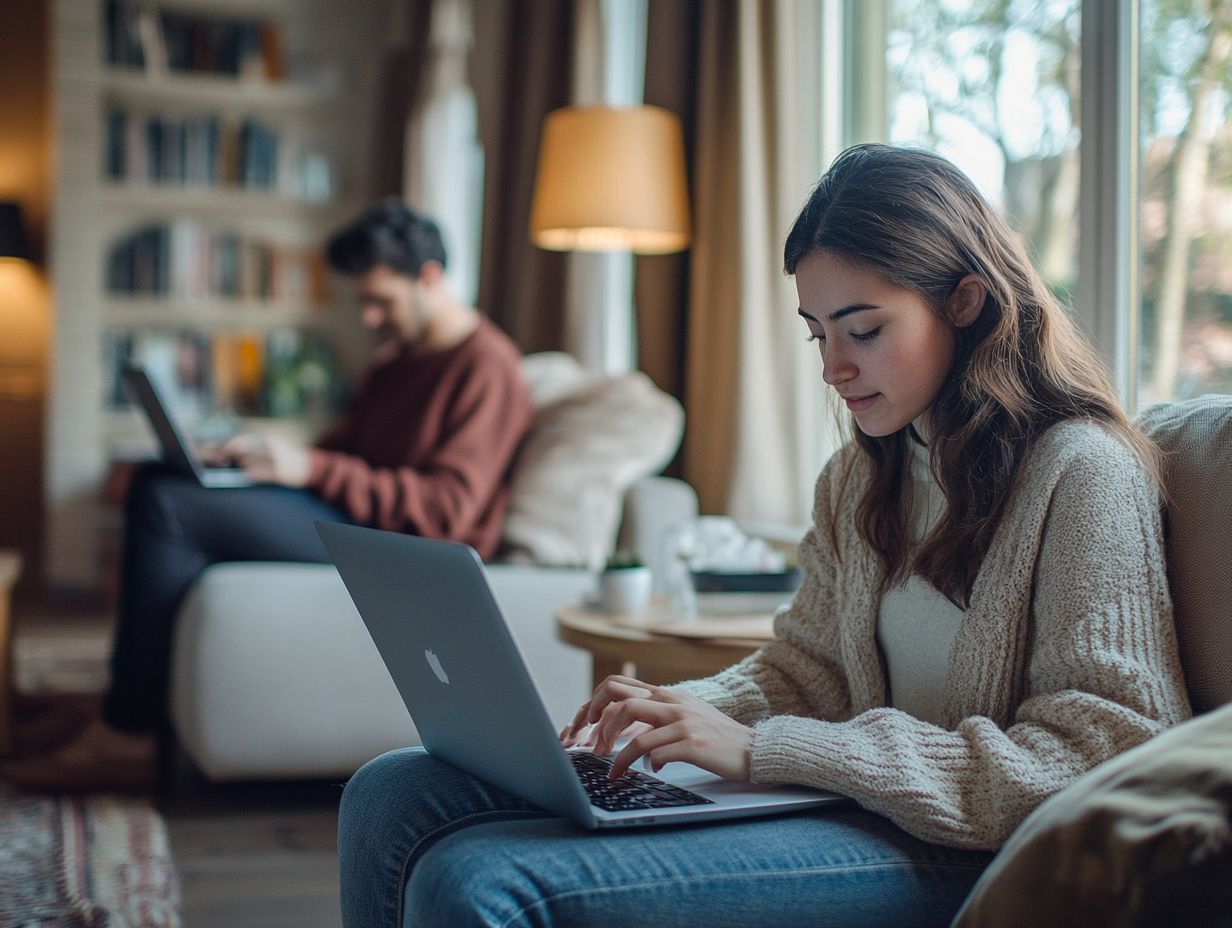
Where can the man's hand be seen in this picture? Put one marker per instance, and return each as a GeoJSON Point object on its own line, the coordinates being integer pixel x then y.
{"type": "Point", "coordinates": [663, 725]}
{"type": "Point", "coordinates": [269, 459]}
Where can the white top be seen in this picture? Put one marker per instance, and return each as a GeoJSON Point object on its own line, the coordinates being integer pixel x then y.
{"type": "Point", "coordinates": [916, 624]}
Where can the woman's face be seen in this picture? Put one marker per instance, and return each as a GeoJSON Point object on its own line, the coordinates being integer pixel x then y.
{"type": "Point", "coordinates": [882, 348]}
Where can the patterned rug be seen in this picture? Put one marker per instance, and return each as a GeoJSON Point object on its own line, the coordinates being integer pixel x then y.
{"type": "Point", "coordinates": [88, 862]}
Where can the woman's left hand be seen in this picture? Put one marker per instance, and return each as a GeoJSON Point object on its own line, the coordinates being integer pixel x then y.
{"type": "Point", "coordinates": [682, 727]}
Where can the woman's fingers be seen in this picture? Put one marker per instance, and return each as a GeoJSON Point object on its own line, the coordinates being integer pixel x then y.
{"type": "Point", "coordinates": [663, 725]}
{"type": "Point", "coordinates": [612, 689]}
{"type": "Point", "coordinates": [620, 678]}
{"type": "Point", "coordinates": [583, 739]}
{"type": "Point", "coordinates": [576, 725]}
{"type": "Point", "coordinates": [616, 689]}
{"type": "Point", "coordinates": [617, 718]}
{"type": "Point", "coordinates": [699, 734]}
{"type": "Point", "coordinates": [657, 740]}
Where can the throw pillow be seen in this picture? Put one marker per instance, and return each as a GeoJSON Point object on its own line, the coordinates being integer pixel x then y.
{"type": "Point", "coordinates": [552, 375]}
{"type": "Point", "coordinates": [1142, 840]}
{"type": "Point", "coordinates": [584, 450]}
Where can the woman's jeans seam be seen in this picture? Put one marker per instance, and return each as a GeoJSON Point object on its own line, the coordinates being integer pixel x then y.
{"type": "Point", "coordinates": [442, 830]}
{"type": "Point", "coordinates": [593, 891]}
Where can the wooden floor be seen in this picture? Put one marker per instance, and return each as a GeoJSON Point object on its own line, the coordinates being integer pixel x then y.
{"type": "Point", "coordinates": [248, 855]}
{"type": "Point", "coordinates": [255, 856]}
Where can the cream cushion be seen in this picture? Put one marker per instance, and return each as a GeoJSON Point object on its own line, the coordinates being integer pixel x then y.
{"type": "Point", "coordinates": [1196, 437]}
{"type": "Point", "coordinates": [593, 436]}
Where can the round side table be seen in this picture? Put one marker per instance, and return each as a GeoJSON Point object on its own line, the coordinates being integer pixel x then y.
{"type": "Point", "coordinates": [660, 653]}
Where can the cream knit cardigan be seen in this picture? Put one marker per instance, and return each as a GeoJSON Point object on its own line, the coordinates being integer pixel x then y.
{"type": "Point", "coordinates": [1066, 656]}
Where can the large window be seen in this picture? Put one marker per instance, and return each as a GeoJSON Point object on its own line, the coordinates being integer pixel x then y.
{"type": "Point", "coordinates": [1185, 216]}
{"type": "Point", "coordinates": [993, 86]}
{"type": "Point", "coordinates": [997, 86]}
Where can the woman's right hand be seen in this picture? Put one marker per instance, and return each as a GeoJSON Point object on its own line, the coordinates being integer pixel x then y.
{"type": "Point", "coordinates": [661, 725]}
{"type": "Point", "coordinates": [581, 733]}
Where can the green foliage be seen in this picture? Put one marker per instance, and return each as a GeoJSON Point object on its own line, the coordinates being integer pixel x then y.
{"type": "Point", "coordinates": [623, 559]}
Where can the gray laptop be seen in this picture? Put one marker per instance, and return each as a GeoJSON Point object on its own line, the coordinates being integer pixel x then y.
{"type": "Point", "coordinates": [436, 623]}
{"type": "Point", "coordinates": [177, 452]}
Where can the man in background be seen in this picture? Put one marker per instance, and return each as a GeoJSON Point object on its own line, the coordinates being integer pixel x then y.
{"type": "Point", "coordinates": [425, 447]}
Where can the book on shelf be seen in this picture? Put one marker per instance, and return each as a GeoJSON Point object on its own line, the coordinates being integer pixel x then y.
{"type": "Point", "coordinates": [185, 259]}
{"type": "Point", "coordinates": [138, 36]}
{"type": "Point", "coordinates": [282, 374]}
{"type": "Point", "coordinates": [121, 24]}
{"type": "Point", "coordinates": [213, 151]}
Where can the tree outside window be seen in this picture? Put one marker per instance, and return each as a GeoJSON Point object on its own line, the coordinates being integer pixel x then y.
{"type": "Point", "coordinates": [1185, 217]}
{"type": "Point", "coordinates": [994, 85]}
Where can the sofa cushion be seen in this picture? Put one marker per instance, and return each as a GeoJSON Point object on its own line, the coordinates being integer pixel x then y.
{"type": "Point", "coordinates": [553, 375]}
{"type": "Point", "coordinates": [593, 436]}
{"type": "Point", "coordinates": [1196, 436]}
{"type": "Point", "coordinates": [1144, 839]}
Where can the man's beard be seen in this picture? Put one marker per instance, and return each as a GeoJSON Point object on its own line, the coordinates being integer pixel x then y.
{"type": "Point", "coordinates": [391, 339]}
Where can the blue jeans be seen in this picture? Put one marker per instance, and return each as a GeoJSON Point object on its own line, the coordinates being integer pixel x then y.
{"type": "Point", "coordinates": [174, 529]}
{"type": "Point", "coordinates": [421, 843]}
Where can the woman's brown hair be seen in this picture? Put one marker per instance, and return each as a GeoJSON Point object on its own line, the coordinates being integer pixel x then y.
{"type": "Point", "coordinates": [916, 221]}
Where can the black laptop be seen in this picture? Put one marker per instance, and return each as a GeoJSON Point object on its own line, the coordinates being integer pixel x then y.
{"type": "Point", "coordinates": [176, 452]}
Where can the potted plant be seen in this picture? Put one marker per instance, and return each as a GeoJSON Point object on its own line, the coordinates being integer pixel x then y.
{"type": "Point", "coordinates": [624, 585]}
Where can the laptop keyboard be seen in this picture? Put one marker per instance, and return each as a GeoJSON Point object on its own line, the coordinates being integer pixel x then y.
{"type": "Point", "coordinates": [635, 790]}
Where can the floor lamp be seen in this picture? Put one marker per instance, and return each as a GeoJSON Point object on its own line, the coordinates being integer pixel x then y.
{"type": "Point", "coordinates": [611, 179]}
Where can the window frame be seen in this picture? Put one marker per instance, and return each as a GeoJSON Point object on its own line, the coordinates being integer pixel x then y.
{"type": "Point", "coordinates": [1108, 297]}
{"type": "Point", "coordinates": [1108, 300]}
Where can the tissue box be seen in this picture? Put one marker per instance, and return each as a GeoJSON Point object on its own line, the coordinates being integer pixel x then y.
{"type": "Point", "coordinates": [772, 581]}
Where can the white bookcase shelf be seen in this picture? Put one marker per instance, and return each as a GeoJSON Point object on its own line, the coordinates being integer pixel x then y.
{"type": "Point", "coordinates": [327, 106]}
{"type": "Point", "coordinates": [227, 96]}
{"type": "Point", "coordinates": [235, 204]}
{"type": "Point", "coordinates": [216, 313]}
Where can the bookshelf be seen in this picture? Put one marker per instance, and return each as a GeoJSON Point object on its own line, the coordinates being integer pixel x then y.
{"type": "Point", "coordinates": [204, 149]}
{"type": "Point", "coordinates": [214, 93]}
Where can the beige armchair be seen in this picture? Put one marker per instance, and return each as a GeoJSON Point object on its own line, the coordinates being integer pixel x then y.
{"type": "Point", "coordinates": [1146, 838]}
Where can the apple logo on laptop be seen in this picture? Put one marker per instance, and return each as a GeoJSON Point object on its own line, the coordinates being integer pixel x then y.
{"type": "Point", "coordinates": [435, 663]}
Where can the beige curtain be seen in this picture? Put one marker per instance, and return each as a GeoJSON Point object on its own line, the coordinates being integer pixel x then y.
{"type": "Point", "coordinates": [758, 427]}
{"type": "Point", "coordinates": [400, 89]}
{"type": "Point", "coordinates": [520, 70]}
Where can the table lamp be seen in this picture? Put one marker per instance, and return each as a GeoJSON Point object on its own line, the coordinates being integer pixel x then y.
{"type": "Point", "coordinates": [611, 179]}
{"type": "Point", "coordinates": [12, 232]}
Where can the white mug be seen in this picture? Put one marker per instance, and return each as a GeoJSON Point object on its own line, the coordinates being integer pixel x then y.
{"type": "Point", "coordinates": [625, 591]}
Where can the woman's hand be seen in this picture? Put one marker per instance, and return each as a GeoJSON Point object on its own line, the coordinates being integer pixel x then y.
{"type": "Point", "coordinates": [663, 725]}
{"type": "Point", "coordinates": [582, 733]}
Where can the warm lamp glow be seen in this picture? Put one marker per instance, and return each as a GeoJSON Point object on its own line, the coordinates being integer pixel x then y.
{"type": "Point", "coordinates": [611, 179]}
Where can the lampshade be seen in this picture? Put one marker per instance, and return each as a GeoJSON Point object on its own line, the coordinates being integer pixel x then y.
{"type": "Point", "coordinates": [12, 232]}
{"type": "Point", "coordinates": [611, 178]}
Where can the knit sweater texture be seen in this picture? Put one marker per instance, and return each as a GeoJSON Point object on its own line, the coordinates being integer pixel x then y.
{"type": "Point", "coordinates": [427, 443]}
{"type": "Point", "coordinates": [1065, 657]}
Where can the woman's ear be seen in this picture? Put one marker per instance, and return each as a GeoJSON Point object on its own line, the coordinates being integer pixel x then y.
{"type": "Point", "coordinates": [966, 301]}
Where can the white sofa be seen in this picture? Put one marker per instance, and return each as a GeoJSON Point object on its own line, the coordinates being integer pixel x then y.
{"type": "Point", "coordinates": [274, 675]}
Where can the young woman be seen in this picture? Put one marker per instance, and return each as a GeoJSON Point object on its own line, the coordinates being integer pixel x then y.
{"type": "Point", "coordinates": [984, 615]}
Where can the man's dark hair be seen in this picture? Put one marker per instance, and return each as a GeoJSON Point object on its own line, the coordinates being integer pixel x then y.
{"type": "Point", "coordinates": [389, 233]}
